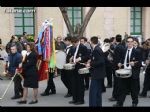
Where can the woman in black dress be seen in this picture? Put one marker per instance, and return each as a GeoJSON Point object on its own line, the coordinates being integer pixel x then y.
{"type": "Point", "coordinates": [30, 75]}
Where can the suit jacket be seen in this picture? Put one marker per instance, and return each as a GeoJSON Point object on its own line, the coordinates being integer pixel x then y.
{"type": "Point", "coordinates": [97, 64]}
{"type": "Point", "coordinates": [118, 54]}
{"type": "Point", "coordinates": [83, 53]}
{"type": "Point", "coordinates": [69, 55]}
{"type": "Point", "coordinates": [135, 56]}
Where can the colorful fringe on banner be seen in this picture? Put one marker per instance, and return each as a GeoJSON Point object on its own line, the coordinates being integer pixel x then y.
{"type": "Point", "coordinates": [46, 50]}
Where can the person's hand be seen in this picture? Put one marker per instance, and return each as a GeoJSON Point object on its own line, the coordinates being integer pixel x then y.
{"type": "Point", "coordinates": [119, 65]}
{"type": "Point", "coordinates": [20, 65]}
{"type": "Point", "coordinates": [17, 71]}
{"type": "Point", "coordinates": [131, 63]}
{"type": "Point", "coordinates": [71, 60]}
{"type": "Point", "coordinates": [77, 60]}
{"type": "Point", "coordinates": [88, 65]}
{"type": "Point", "coordinates": [147, 62]}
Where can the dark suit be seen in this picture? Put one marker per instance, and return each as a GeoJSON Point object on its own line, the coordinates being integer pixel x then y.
{"type": "Point", "coordinates": [131, 83]}
{"type": "Point", "coordinates": [146, 84]}
{"type": "Point", "coordinates": [67, 74]}
{"type": "Point", "coordinates": [78, 79]}
{"type": "Point", "coordinates": [118, 54]}
{"type": "Point", "coordinates": [97, 75]}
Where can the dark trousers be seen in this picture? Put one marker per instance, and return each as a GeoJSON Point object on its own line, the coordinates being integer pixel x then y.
{"type": "Point", "coordinates": [95, 95]}
{"type": "Point", "coordinates": [115, 92]}
{"type": "Point", "coordinates": [109, 75]}
{"type": "Point", "coordinates": [86, 80]}
{"type": "Point", "coordinates": [50, 84]}
{"type": "Point", "coordinates": [146, 84]}
{"type": "Point", "coordinates": [124, 87]}
{"type": "Point", "coordinates": [77, 86]}
{"type": "Point", "coordinates": [66, 79]}
{"type": "Point", "coordinates": [18, 89]}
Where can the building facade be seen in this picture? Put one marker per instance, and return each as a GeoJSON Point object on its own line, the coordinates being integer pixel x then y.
{"type": "Point", "coordinates": [105, 22]}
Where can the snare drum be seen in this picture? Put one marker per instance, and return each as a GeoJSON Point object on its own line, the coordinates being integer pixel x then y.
{"type": "Point", "coordinates": [84, 71]}
{"type": "Point", "coordinates": [123, 73]}
{"type": "Point", "coordinates": [69, 66]}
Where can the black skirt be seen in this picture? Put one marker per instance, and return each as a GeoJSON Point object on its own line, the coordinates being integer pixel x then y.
{"type": "Point", "coordinates": [31, 79]}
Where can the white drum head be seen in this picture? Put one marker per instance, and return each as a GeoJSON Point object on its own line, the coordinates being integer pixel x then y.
{"type": "Point", "coordinates": [60, 59]}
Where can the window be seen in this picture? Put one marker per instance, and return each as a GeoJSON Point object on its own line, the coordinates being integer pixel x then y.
{"type": "Point", "coordinates": [24, 22]}
{"type": "Point", "coordinates": [75, 15]}
{"type": "Point", "coordinates": [136, 20]}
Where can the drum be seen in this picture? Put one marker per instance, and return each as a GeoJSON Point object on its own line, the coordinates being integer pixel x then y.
{"type": "Point", "coordinates": [123, 73]}
{"type": "Point", "coordinates": [84, 71]}
{"type": "Point", "coordinates": [60, 59]}
{"type": "Point", "coordinates": [69, 66]}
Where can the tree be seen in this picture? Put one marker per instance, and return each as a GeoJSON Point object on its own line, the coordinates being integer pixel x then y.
{"type": "Point", "coordinates": [79, 28]}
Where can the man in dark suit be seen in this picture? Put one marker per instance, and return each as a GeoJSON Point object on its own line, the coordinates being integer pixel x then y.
{"type": "Point", "coordinates": [117, 55]}
{"type": "Point", "coordinates": [97, 68]}
{"type": "Point", "coordinates": [130, 60]}
{"type": "Point", "coordinates": [83, 40]}
{"type": "Point", "coordinates": [79, 56]}
{"type": "Point", "coordinates": [67, 74]}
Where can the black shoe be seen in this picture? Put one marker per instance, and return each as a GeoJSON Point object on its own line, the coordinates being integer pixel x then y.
{"type": "Point", "coordinates": [51, 93]}
{"type": "Point", "coordinates": [44, 94]}
{"type": "Point", "coordinates": [22, 102]}
{"type": "Point", "coordinates": [72, 102]}
{"type": "Point", "coordinates": [16, 97]}
{"type": "Point", "coordinates": [134, 105]}
{"type": "Point", "coordinates": [33, 102]}
{"type": "Point", "coordinates": [117, 105]}
{"type": "Point", "coordinates": [67, 95]}
{"type": "Point", "coordinates": [112, 99]}
{"type": "Point", "coordinates": [79, 103]}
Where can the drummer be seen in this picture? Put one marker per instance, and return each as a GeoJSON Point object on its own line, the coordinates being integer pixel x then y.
{"type": "Point", "coordinates": [79, 56]}
{"type": "Point", "coordinates": [131, 60]}
{"type": "Point", "coordinates": [67, 74]}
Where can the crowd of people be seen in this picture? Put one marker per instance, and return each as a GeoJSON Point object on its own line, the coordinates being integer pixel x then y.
{"type": "Point", "coordinates": [101, 58]}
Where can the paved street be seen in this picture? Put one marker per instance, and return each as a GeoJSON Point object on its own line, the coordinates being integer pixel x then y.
{"type": "Point", "coordinates": [58, 99]}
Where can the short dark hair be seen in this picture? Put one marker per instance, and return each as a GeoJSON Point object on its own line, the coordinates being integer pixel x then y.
{"type": "Point", "coordinates": [68, 39]}
{"type": "Point", "coordinates": [112, 39]}
{"type": "Point", "coordinates": [74, 39]}
{"type": "Point", "coordinates": [24, 33]}
{"type": "Point", "coordinates": [106, 40]}
{"type": "Point", "coordinates": [118, 38]}
{"type": "Point", "coordinates": [85, 39]}
{"type": "Point", "coordinates": [130, 38]}
{"type": "Point", "coordinates": [94, 40]}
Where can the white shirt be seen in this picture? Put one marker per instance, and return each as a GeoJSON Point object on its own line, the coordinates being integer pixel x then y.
{"type": "Point", "coordinates": [125, 61]}
{"type": "Point", "coordinates": [75, 54]}
{"type": "Point", "coordinates": [67, 50]}
{"type": "Point", "coordinates": [28, 53]}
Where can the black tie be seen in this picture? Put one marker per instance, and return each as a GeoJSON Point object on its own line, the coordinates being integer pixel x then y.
{"type": "Point", "coordinates": [127, 62]}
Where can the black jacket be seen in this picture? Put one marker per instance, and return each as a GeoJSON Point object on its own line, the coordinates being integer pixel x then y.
{"type": "Point", "coordinates": [135, 56]}
{"type": "Point", "coordinates": [69, 55]}
{"type": "Point", "coordinates": [118, 54]}
{"type": "Point", "coordinates": [97, 64]}
{"type": "Point", "coordinates": [29, 66]}
{"type": "Point", "coordinates": [83, 53]}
